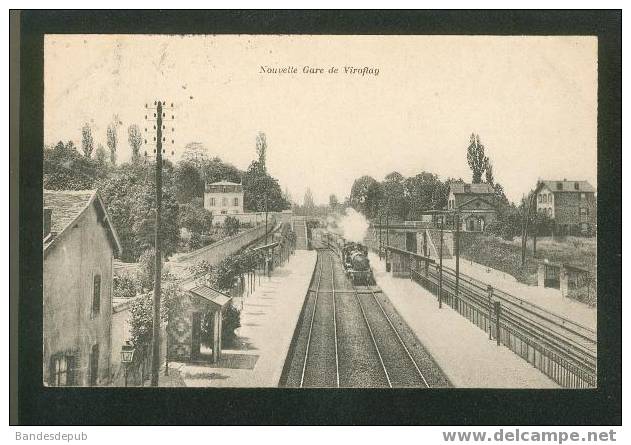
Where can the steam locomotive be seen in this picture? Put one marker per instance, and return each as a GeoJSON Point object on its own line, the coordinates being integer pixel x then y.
{"type": "Point", "coordinates": [354, 258]}
{"type": "Point", "coordinates": [356, 263]}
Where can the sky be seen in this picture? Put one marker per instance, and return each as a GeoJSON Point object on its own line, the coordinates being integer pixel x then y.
{"type": "Point", "coordinates": [532, 100]}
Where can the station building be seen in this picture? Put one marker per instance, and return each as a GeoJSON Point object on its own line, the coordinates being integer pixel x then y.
{"type": "Point", "coordinates": [476, 203]}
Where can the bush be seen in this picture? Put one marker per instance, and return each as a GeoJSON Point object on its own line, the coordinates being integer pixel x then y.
{"type": "Point", "coordinates": [195, 241]}
{"type": "Point", "coordinates": [231, 225]}
{"type": "Point", "coordinates": [125, 286]}
{"type": "Point", "coordinates": [141, 314]}
{"type": "Point", "coordinates": [507, 232]}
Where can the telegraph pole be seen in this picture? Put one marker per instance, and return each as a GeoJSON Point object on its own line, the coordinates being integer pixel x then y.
{"type": "Point", "coordinates": [266, 218]}
{"type": "Point", "coordinates": [457, 249]}
{"type": "Point", "coordinates": [387, 240]}
{"type": "Point", "coordinates": [159, 116]}
{"type": "Point", "coordinates": [380, 232]}
{"type": "Point", "coordinates": [440, 267]}
{"type": "Point", "coordinates": [157, 282]}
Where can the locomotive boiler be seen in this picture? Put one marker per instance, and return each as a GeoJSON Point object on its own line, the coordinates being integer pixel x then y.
{"type": "Point", "coordinates": [356, 263]}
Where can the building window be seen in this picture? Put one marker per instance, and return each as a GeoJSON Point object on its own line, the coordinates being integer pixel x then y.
{"type": "Point", "coordinates": [96, 296]}
{"type": "Point", "coordinates": [549, 211]}
{"type": "Point", "coordinates": [576, 186]}
{"type": "Point", "coordinates": [582, 195]}
{"type": "Point", "coordinates": [94, 365]}
{"type": "Point", "coordinates": [224, 202]}
{"type": "Point", "coordinates": [583, 211]}
{"type": "Point", "coordinates": [236, 202]}
{"type": "Point", "coordinates": [559, 186]}
{"type": "Point", "coordinates": [212, 202]}
{"type": "Point", "coordinates": [61, 370]}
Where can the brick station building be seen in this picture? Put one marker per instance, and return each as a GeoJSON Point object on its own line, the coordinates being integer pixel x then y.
{"type": "Point", "coordinates": [572, 205]}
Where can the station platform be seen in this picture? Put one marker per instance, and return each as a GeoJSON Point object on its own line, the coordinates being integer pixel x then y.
{"type": "Point", "coordinates": [268, 320]}
{"type": "Point", "coordinates": [460, 348]}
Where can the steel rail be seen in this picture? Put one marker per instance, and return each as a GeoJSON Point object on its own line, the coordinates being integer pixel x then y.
{"type": "Point", "coordinates": [575, 353]}
{"type": "Point", "coordinates": [374, 342]}
{"type": "Point", "coordinates": [418, 370]}
{"type": "Point", "coordinates": [549, 335]}
{"type": "Point", "coordinates": [555, 319]}
{"type": "Point", "coordinates": [315, 306]}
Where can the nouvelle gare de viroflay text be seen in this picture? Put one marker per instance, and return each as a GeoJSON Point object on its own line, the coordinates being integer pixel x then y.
{"type": "Point", "coordinates": [306, 69]}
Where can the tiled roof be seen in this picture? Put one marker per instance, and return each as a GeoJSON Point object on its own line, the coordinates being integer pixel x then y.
{"type": "Point", "coordinates": [459, 187]}
{"type": "Point", "coordinates": [212, 295]}
{"type": "Point", "coordinates": [568, 186]}
{"type": "Point", "coordinates": [66, 206]}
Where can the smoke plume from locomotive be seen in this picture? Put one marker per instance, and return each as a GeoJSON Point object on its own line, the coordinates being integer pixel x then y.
{"type": "Point", "coordinates": [353, 226]}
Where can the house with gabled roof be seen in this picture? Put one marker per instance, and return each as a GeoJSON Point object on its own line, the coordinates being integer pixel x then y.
{"type": "Point", "coordinates": [79, 245]}
{"type": "Point", "coordinates": [572, 205]}
{"type": "Point", "coordinates": [476, 204]}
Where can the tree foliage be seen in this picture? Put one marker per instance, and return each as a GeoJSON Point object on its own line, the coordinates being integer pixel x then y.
{"type": "Point", "coordinates": [188, 182]}
{"type": "Point", "coordinates": [141, 314]}
{"type": "Point", "coordinates": [134, 137]}
{"type": "Point", "coordinates": [261, 150]}
{"type": "Point", "coordinates": [475, 158]}
{"type": "Point", "coordinates": [129, 193]}
{"type": "Point", "coordinates": [195, 218]}
{"type": "Point", "coordinates": [333, 202]}
{"type": "Point", "coordinates": [112, 141]}
{"type": "Point", "coordinates": [425, 191]}
{"type": "Point", "coordinates": [64, 168]}
{"type": "Point", "coordinates": [394, 195]}
{"type": "Point", "coordinates": [260, 189]}
{"type": "Point", "coordinates": [366, 196]}
{"type": "Point", "coordinates": [87, 141]}
{"type": "Point", "coordinates": [488, 171]}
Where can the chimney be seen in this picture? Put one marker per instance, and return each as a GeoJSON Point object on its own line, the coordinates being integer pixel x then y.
{"type": "Point", "coordinates": [47, 221]}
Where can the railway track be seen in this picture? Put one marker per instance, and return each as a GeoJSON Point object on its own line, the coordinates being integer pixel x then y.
{"type": "Point", "coordinates": [562, 349]}
{"type": "Point", "coordinates": [352, 337]}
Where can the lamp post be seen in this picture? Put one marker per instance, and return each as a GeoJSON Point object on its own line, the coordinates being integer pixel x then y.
{"type": "Point", "coordinates": [127, 356]}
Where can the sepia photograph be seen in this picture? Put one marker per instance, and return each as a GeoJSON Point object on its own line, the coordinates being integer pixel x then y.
{"type": "Point", "coordinates": [303, 211]}
{"type": "Point", "coordinates": [317, 217]}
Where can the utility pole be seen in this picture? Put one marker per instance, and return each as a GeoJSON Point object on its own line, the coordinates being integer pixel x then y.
{"type": "Point", "coordinates": [380, 238]}
{"type": "Point", "coordinates": [265, 218]}
{"type": "Point", "coordinates": [159, 116]}
{"type": "Point", "coordinates": [440, 267]}
{"type": "Point", "coordinates": [457, 249]}
{"type": "Point", "coordinates": [387, 240]}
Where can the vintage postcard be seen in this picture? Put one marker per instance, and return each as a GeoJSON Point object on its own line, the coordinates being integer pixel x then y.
{"type": "Point", "coordinates": [320, 211]}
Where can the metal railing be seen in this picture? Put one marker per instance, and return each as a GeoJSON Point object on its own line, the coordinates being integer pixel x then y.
{"type": "Point", "coordinates": [562, 349]}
